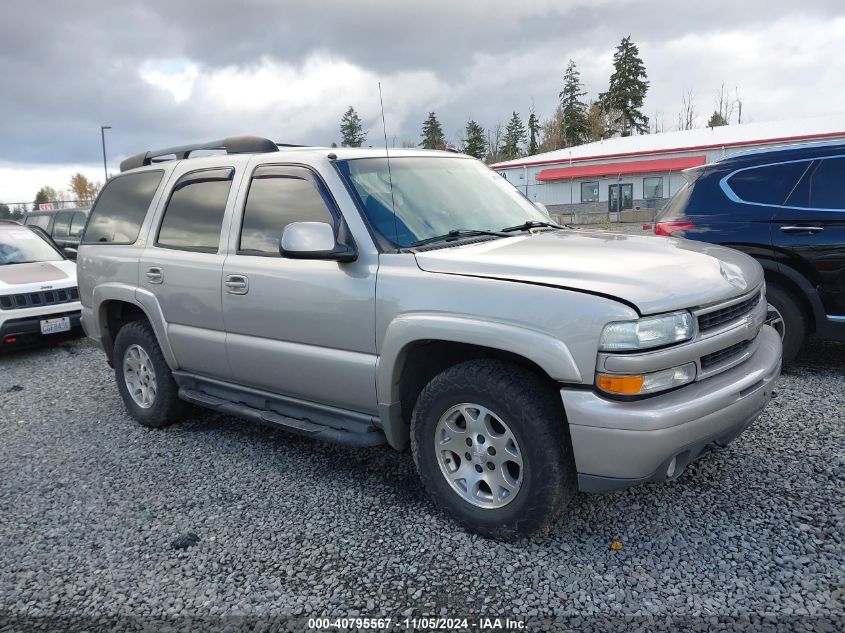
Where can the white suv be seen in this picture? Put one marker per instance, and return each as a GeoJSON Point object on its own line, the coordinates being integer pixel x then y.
{"type": "Point", "coordinates": [38, 293]}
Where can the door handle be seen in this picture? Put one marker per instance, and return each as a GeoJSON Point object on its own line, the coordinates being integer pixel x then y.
{"type": "Point", "coordinates": [797, 230]}
{"type": "Point", "coordinates": [237, 284]}
{"type": "Point", "coordinates": [154, 275]}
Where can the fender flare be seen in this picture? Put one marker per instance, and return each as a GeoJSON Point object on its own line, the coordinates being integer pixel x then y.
{"type": "Point", "coordinates": [550, 354]}
{"type": "Point", "coordinates": [143, 300]}
{"type": "Point", "coordinates": [800, 281]}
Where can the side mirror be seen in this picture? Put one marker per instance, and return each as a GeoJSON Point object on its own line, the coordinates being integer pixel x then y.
{"type": "Point", "coordinates": [70, 253]}
{"type": "Point", "coordinates": [315, 240]}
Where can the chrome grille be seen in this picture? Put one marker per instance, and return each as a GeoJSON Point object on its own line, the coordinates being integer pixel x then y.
{"type": "Point", "coordinates": [37, 299]}
{"type": "Point", "coordinates": [711, 360]}
{"type": "Point", "coordinates": [724, 315]}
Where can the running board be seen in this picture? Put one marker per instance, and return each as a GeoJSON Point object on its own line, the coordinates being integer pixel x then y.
{"type": "Point", "coordinates": [307, 428]}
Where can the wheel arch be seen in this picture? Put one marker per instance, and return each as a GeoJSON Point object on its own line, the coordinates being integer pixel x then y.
{"type": "Point", "coordinates": [798, 285]}
{"type": "Point", "coordinates": [418, 347]}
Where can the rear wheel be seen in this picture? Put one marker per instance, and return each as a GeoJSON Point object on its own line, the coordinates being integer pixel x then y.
{"type": "Point", "coordinates": [787, 318]}
{"type": "Point", "coordinates": [490, 443]}
{"type": "Point", "coordinates": [144, 378]}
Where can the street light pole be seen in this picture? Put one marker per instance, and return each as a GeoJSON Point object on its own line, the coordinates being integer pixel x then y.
{"type": "Point", "coordinates": [103, 129]}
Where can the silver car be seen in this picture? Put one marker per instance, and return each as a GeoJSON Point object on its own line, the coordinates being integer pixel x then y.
{"type": "Point", "coordinates": [417, 298]}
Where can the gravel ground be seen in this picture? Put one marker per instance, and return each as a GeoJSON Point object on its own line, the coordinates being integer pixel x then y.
{"type": "Point", "coordinates": [217, 523]}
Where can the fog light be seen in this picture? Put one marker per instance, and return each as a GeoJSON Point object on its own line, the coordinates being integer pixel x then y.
{"type": "Point", "coordinates": [671, 470]}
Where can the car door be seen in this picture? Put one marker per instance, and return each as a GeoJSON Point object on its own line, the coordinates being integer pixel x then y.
{"type": "Point", "coordinates": [809, 232]}
{"type": "Point", "coordinates": [182, 264]}
{"type": "Point", "coordinates": [299, 328]}
{"type": "Point", "coordinates": [77, 225]}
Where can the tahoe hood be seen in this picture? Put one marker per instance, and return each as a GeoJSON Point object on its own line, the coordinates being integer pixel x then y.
{"type": "Point", "coordinates": [655, 274]}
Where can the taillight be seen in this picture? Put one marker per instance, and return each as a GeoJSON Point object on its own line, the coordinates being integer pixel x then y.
{"type": "Point", "coordinates": [673, 226]}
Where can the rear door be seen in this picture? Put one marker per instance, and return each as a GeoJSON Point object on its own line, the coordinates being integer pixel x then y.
{"type": "Point", "coordinates": [61, 228]}
{"type": "Point", "coordinates": [809, 232]}
{"type": "Point", "coordinates": [182, 264]}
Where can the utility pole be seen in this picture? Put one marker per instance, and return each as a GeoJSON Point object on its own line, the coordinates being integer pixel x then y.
{"type": "Point", "coordinates": [103, 129]}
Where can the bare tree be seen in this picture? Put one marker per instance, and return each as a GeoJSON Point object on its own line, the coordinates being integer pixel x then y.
{"type": "Point", "coordinates": [494, 142]}
{"type": "Point", "coordinates": [687, 117]}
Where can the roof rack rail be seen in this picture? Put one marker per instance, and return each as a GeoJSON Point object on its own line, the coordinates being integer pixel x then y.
{"type": "Point", "coordinates": [232, 145]}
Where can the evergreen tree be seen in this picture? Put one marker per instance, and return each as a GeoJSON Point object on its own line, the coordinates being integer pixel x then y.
{"type": "Point", "coordinates": [533, 134]}
{"type": "Point", "coordinates": [351, 129]}
{"type": "Point", "coordinates": [474, 142]}
{"type": "Point", "coordinates": [716, 120]}
{"type": "Point", "coordinates": [5, 211]}
{"type": "Point", "coordinates": [627, 89]}
{"type": "Point", "coordinates": [432, 133]}
{"type": "Point", "coordinates": [574, 121]}
{"type": "Point", "coordinates": [514, 137]}
{"type": "Point", "coordinates": [45, 194]}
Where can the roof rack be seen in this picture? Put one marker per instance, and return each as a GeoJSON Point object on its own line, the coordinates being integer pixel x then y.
{"type": "Point", "coordinates": [231, 145]}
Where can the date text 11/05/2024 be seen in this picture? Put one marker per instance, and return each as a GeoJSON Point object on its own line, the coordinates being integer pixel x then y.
{"type": "Point", "coordinates": [414, 624]}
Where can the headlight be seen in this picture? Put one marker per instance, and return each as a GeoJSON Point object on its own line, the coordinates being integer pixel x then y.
{"type": "Point", "coordinates": [625, 336]}
{"type": "Point", "coordinates": [646, 383]}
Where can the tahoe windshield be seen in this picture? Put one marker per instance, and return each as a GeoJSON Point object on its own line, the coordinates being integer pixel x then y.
{"type": "Point", "coordinates": [22, 246]}
{"type": "Point", "coordinates": [435, 196]}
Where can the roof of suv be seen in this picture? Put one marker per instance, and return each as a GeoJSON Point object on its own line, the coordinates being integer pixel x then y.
{"type": "Point", "coordinates": [817, 149]}
{"type": "Point", "coordinates": [262, 146]}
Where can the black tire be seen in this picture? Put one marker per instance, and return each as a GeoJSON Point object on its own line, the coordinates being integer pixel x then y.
{"type": "Point", "coordinates": [794, 320]}
{"type": "Point", "coordinates": [532, 410]}
{"type": "Point", "coordinates": [166, 406]}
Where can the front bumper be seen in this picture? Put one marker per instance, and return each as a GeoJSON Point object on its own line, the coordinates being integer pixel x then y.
{"type": "Point", "coordinates": [621, 444]}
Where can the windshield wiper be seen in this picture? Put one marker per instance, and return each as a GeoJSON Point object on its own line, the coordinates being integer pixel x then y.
{"type": "Point", "coordinates": [455, 234]}
{"type": "Point", "coordinates": [531, 224]}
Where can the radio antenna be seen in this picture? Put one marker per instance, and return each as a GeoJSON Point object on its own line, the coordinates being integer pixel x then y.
{"type": "Point", "coordinates": [389, 174]}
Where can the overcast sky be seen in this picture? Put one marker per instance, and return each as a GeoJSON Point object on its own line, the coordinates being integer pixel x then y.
{"type": "Point", "coordinates": [165, 73]}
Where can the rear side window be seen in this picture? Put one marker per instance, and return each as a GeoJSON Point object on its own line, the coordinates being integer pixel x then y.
{"type": "Point", "coordinates": [194, 214]}
{"type": "Point", "coordinates": [769, 184]}
{"type": "Point", "coordinates": [273, 203]}
{"type": "Point", "coordinates": [77, 224]}
{"type": "Point", "coordinates": [827, 184]}
{"type": "Point", "coordinates": [41, 221]}
{"type": "Point", "coordinates": [121, 207]}
{"type": "Point", "coordinates": [62, 224]}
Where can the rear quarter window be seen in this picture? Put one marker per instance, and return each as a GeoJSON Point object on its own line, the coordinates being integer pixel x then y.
{"type": "Point", "coordinates": [119, 212]}
{"type": "Point", "coordinates": [767, 184]}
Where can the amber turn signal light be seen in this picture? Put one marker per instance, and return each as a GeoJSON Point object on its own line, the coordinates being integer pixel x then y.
{"type": "Point", "coordinates": [622, 385]}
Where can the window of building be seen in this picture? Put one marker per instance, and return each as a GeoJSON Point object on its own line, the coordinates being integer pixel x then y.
{"type": "Point", "coordinates": [273, 202]}
{"type": "Point", "coordinates": [768, 184]}
{"type": "Point", "coordinates": [589, 191]}
{"type": "Point", "coordinates": [194, 214]}
{"type": "Point", "coordinates": [121, 208]}
{"type": "Point", "coordinates": [77, 224]}
{"type": "Point", "coordinates": [652, 187]}
{"type": "Point", "coordinates": [827, 186]}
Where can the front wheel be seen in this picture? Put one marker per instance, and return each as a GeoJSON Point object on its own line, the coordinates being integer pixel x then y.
{"type": "Point", "coordinates": [490, 443]}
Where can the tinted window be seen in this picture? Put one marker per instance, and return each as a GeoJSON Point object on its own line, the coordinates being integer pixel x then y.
{"type": "Point", "coordinates": [77, 224]}
{"type": "Point", "coordinates": [273, 203]}
{"type": "Point", "coordinates": [827, 185]}
{"type": "Point", "coordinates": [61, 225]}
{"type": "Point", "coordinates": [194, 214]}
{"type": "Point", "coordinates": [769, 184]}
{"type": "Point", "coordinates": [120, 209]}
{"type": "Point", "coordinates": [42, 221]}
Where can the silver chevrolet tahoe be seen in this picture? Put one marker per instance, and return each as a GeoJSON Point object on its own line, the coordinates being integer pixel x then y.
{"type": "Point", "coordinates": [417, 298]}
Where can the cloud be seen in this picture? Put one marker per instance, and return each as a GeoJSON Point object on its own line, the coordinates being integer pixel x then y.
{"type": "Point", "coordinates": [166, 73]}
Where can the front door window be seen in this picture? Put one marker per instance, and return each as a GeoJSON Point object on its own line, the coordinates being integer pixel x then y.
{"type": "Point", "coordinates": [620, 197]}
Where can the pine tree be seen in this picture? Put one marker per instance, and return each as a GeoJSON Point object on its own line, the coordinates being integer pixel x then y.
{"type": "Point", "coordinates": [45, 194]}
{"type": "Point", "coordinates": [514, 137]}
{"type": "Point", "coordinates": [574, 121]}
{"type": "Point", "coordinates": [627, 89]}
{"type": "Point", "coordinates": [474, 142]}
{"type": "Point", "coordinates": [351, 129]}
{"type": "Point", "coordinates": [716, 120]}
{"type": "Point", "coordinates": [432, 133]}
{"type": "Point", "coordinates": [533, 134]}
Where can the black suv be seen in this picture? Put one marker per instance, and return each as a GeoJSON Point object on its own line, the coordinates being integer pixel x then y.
{"type": "Point", "coordinates": [64, 226]}
{"type": "Point", "coordinates": [784, 206]}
